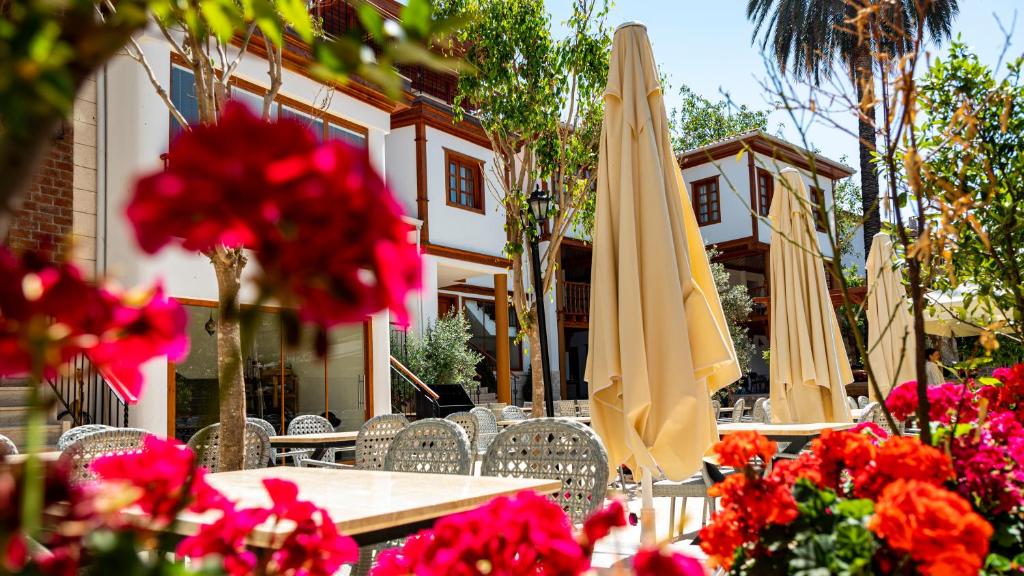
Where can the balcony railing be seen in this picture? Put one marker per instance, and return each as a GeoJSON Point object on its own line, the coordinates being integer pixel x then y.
{"type": "Point", "coordinates": [576, 298]}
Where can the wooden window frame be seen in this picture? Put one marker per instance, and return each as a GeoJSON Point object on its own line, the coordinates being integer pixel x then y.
{"type": "Point", "coordinates": [477, 166]}
{"type": "Point", "coordinates": [765, 195]}
{"type": "Point", "coordinates": [367, 363]}
{"type": "Point", "coordinates": [695, 186]}
{"type": "Point", "coordinates": [816, 197]}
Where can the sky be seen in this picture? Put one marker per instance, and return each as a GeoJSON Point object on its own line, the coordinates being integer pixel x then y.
{"type": "Point", "coordinates": [706, 44]}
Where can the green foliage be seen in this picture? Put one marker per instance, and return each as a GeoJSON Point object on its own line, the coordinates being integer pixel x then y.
{"type": "Point", "coordinates": [736, 304]}
{"type": "Point", "coordinates": [849, 219]}
{"type": "Point", "coordinates": [442, 354]}
{"type": "Point", "coordinates": [973, 134]}
{"type": "Point", "coordinates": [698, 121]}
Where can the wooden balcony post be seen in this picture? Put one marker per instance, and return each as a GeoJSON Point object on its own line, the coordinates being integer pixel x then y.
{"type": "Point", "coordinates": [502, 355]}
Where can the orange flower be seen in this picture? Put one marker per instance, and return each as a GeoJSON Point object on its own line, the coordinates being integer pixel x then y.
{"type": "Point", "coordinates": [906, 458]}
{"type": "Point", "coordinates": [738, 449]}
{"type": "Point", "coordinates": [842, 450]}
{"type": "Point", "coordinates": [722, 536]}
{"type": "Point", "coordinates": [936, 528]}
{"type": "Point", "coordinates": [806, 465]}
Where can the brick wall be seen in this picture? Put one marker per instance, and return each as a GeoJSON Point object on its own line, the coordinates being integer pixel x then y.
{"type": "Point", "coordinates": [45, 218]}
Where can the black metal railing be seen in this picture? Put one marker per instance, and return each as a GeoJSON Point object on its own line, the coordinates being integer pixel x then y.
{"type": "Point", "coordinates": [86, 397]}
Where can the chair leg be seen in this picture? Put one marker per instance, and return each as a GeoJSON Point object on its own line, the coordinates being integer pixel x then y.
{"type": "Point", "coordinates": [672, 517]}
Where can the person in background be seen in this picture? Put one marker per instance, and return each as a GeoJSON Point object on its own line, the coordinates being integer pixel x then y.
{"type": "Point", "coordinates": [932, 359]}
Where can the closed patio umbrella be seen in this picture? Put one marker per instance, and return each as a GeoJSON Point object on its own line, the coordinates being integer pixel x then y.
{"type": "Point", "coordinates": [891, 341]}
{"type": "Point", "coordinates": [659, 346]}
{"type": "Point", "coordinates": [808, 364]}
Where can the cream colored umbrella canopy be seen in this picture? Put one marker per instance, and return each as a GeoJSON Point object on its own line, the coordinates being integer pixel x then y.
{"type": "Point", "coordinates": [891, 341]}
{"type": "Point", "coordinates": [659, 345]}
{"type": "Point", "coordinates": [809, 369]}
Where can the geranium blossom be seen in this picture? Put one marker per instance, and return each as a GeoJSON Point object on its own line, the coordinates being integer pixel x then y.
{"type": "Point", "coordinates": [738, 449]}
{"type": "Point", "coordinates": [326, 230]}
{"type": "Point", "coordinates": [949, 402]}
{"type": "Point", "coordinates": [933, 526]}
{"type": "Point", "coordinates": [661, 562]}
{"type": "Point", "coordinates": [51, 310]}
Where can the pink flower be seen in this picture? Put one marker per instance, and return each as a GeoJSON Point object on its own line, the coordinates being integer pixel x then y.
{"type": "Point", "coordinates": [314, 548]}
{"type": "Point", "coordinates": [871, 430]}
{"type": "Point", "coordinates": [327, 232]}
{"type": "Point", "coordinates": [659, 562]}
{"type": "Point", "coordinates": [524, 535]}
{"type": "Point", "coordinates": [948, 402]}
{"type": "Point", "coordinates": [601, 523]}
{"type": "Point", "coordinates": [225, 538]}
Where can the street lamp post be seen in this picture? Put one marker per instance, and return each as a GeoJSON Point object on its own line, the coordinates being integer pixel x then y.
{"type": "Point", "coordinates": [539, 203]}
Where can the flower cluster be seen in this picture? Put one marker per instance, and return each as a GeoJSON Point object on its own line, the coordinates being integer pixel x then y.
{"type": "Point", "coordinates": [162, 480]}
{"type": "Point", "coordinates": [893, 489]}
{"type": "Point", "coordinates": [327, 232]}
{"type": "Point", "coordinates": [49, 313]}
{"type": "Point", "coordinates": [949, 402]}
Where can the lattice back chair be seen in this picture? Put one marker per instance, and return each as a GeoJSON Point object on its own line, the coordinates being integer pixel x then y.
{"type": "Point", "coordinates": [486, 428]}
{"type": "Point", "coordinates": [468, 424]}
{"type": "Point", "coordinates": [863, 401]}
{"type": "Point", "coordinates": [514, 413]}
{"type": "Point", "coordinates": [716, 408]}
{"type": "Point", "coordinates": [768, 412]}
{"type": "Point", "coordinates": [374, 439]}
{"type": "Point", "coordinates": [583, 408]}
{"type": "Point", "coordinates": [555, 449]}
{"type": "Point", "coordinates": [873, 413]}
{"type": "Point", "coordinates": [496, 408]}
{"type": "Point", "coordinates": [737, 410]}
{"type": "Point", "coordinates": [430, 446]}
{"type": "Point", "coordinates": [852, 402]}
{"type": "Point", "coordinates": [7, 448]}
{"type": "Point", "coordinates": [565, 408]}
{"type": "Point", "coordinates": [758, 413]}
{"type": "Point", "coordinates": [108, 442]}
{"type": "Point", "coordinates": [72, 434]}
{"type": "Point", "coordinates": [309, 424]}
{"type": "Point", "coordinates": [206, 443]}
{"type": "Point", "coordinates": [267, 426]}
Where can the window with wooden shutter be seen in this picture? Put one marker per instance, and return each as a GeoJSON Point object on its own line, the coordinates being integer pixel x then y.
{"type": "Point", "coordinates": [706, 201]}
{"type": "Point", "coordinates": [765, 191]}
{"type": "Point", "coordinates": [464, 186]}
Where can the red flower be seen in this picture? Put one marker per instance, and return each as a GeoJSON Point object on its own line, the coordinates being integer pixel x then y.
{"type": "Point", "coordinates": [936, 528]}
{"type": "Point", "coordinates": [601, 523]}
{"type": "Point", "coordinates": [50, 307]}
{"type": "Point", "coordinates": [948, 402]}
{"type": "Point", "coordinates": [738, 449]}
{"type": "Point", "coordinates": [159, 474]}
{"type": "Point", "coordinates": [660, 562]}
{"type": "Point", "coordinates": [327, 232]}
{"type": "Point", "coordinates": [524, 535]}
{"type": "Point", "coordinates": [314, 548]}
{"type": "Point", "coordinates": [722, 536]}
{"type": "Point", "coordinates": [225, 539]}
{"type": "Point", "coordinates": [840, 451]}
{"type": "Point", "coordinates": [902, 458]}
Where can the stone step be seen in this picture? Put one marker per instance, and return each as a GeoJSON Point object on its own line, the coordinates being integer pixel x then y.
{"type": "Point", "coordinates": [14, 396]}
{"type": "Point", "coordinates": [13, 382]}
{"type": "Point", "coordinates": [17, 435]}
{"type": "Point", "coordinates": [13, 416]}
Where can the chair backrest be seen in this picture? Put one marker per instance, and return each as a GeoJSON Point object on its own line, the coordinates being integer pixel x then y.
{"type": "Point", "coordinates": [873, 413]}
{"type": "Point", "coordinates": [309, 424]}
{"type": "Point", "coordinates": [206, 442]}
{"type": "Point", "coordinates": [432, 446]}
{"type": "Point", "coordinates": [486, 423]}
{"type": "Point", "coordinates": [565, 408]}
{"type": "Point", "coordinates": [558, 450]}
{"type": "Point", "coordinates": [267, 426]}
{"type": "Point", "coordinates": [468, 423]}
{"type": "Point", "coordinates": [862, 401]}
{"type": "Point", "coordinates": [374, 439]}
{"type": "Point", "coordinates": [70, 435]}
{"type": "Point", "coordinates": [7, 448]}
{"type": "Point", "coordinates": [716, 408]}
{"type": "Point", "coordinates": [496, 408]}
{"type": "Point", "coordinates": [112, 441]}
{"type": "Point", "coordinates": [583, 408]}
{"type": "Point", "coordinates": [758, 414]}
{"type": "Point", "coordinates": [852, 402]}
{"type": "Point", "coordinates": [737, 409]}
{"type": "Point", "coordinates": [513, 413]}
{"type": "Point", "coordinates": [767, 411]}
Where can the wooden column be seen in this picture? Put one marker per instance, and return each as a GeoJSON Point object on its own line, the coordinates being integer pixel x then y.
{"type": "Point", "coordinates": [502, 355]}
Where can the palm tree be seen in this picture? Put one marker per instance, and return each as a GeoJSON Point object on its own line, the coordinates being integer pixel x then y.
{"type": "Point", "coordinates": [808, 38]}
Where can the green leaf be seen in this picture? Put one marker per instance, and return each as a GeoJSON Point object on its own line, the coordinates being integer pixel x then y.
{"type": "Point", "coordinates": [416, 17]}
{"type": "Point", "coordinates": [220, 22]}
{"type": "Point", "coordinates": [296, 14]}
{"type": "Point", "coordinates": [371, 20]}
{"type": "Point", "coordinates": [859, 508]}
{"type": "Point", "coordinates": [268, 21]}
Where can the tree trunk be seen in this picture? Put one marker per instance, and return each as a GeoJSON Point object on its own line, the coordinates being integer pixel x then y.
{"type": "Point", "coordinates": [537, 371]}
{"type": "Point", "coordinates": [228, 264]}
{"type": "Point", "coordinates": [865, 79]}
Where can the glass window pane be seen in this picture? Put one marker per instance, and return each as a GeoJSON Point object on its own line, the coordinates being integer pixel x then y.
{"type": "Point", "coordinates": [195, 379]}
{"type": "Point", "coordinates": [346, 377]}
{"type": "Point", "coordinates": [265, 389]}
{"type": "Point", "coordinates": [306, 372]}
{"type": "Point", "coordinates": [253, 102]}
{"type": "Point", "coordinates": [335, 132]}
{"type": "Point", "coordinates": [314, 124]}
{"type": "Point", "coordinates": [183, 95]}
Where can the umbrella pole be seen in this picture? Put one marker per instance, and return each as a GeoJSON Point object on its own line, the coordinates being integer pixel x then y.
{"type": "Point", "coordinates": [648, 534]}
